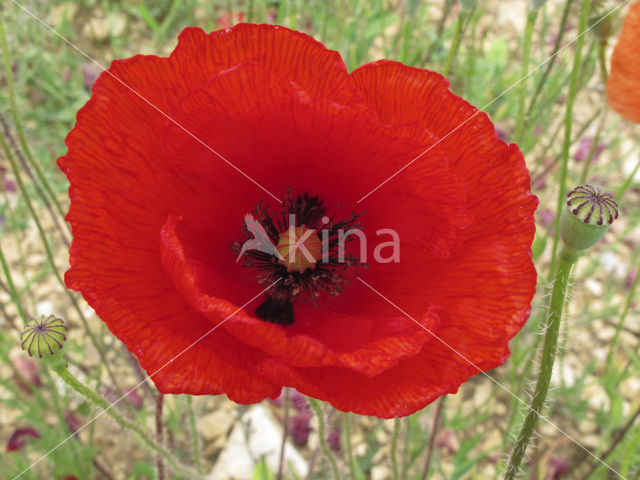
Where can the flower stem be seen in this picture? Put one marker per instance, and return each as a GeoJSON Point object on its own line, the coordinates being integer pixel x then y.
{"type": "Point", "coordinates": [532, 16]}
{"type": "Point", "coordinates": [394, 448]}
{"type": "Point", "coordinates": [16, 119]}
{"type": "Point", "coordinates": [596, 139]}
{"type": "Point", "coordinates": [566, 260]}
{"type": "Point", "coordinates": [455, 43]}
{"type": "Point", "coordinates": [551, 62]}
{"type": "Point", "coordinates": [322, 437]}
{"type": "Point", "coordinates": [50, 258]}
{"type": "Point", "coordinates": [159, 433]}
{"type": "Point", "coordinates": [347, 442]}
{"type": "Point", "coordinates": [621, 321]}
{"type": "Point", "coordinates": [446, 9]}
{"type": "Point", "coordinates": [285, 432]}
{"type": "Point", "coordinates": [594, 143]}
{"type": "Point", "coordinates": [568, 122]}
{"type": "Point", "coordinates": [629, 180]}
{"type": "Point", "coordinates": [145, 438]}
{"type": "Point", "coordinates": [432, 437]}
{"type": "Point", "coordinates": [195, 438]}
{"type": "Point", "coordinates": [616, 441]}
{"type": "Point", "coordinates": [13, 292]}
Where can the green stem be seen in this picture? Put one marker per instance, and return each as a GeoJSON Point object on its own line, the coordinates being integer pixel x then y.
{"type": "Point", "coordinates": [594, 144]}
{"type": "Point", "coordinates": [145, 438]}
{"type": "Point", "coordinates": [603, 119]}
{"type": "Point", "coordinates": [394, 448]}
{"type": "Point", "coordinates": [455, 43]}
{"type": "Point", "coordinates": [16, 120]}
{"type": "Point", "coordinates": [51, 260]}
{"type": "Point", "coordinates": [568, 122]}
{"type": "Point", "coordinates": [285, 432]}
{"type": "Point", "coordinates": [159, 433]}
{"type": "Point", "coordinates": [12, 288]}
{"type": "Point", "coordinates": [195, 438]}
{"type": "Point", "coordinates": [446, 9]}
{"type": "Point", "coordinates": [432, 437]}
{"type": "Point", "coordinates": [323, 438]}
{"type": "Point", "coordinates": [532, 16]}
{"type": "Point", "coordinates": [602, 61]}
{"type": "Point", "coordinates": [627, 183]}
{"type": "Point", "coordinates": [347, 442]}
{"type": "Point", "coordinates": [405, 450]}
{"type": "Point", "coordinates": [566, 260]}
{"type": "Point", "coordinates": [623, 317]}
{"type": "Point", "coordinates": [551, 62]}
{"type": "Point", "coordinates": [614, 443]}
{"type": "Point", "coordinates": [55, 397]}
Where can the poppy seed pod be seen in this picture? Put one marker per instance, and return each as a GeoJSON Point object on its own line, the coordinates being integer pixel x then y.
{"type": "Point", "coordinates": [586, 216]}
{"type": "Point", "coordinates": [45, 338]}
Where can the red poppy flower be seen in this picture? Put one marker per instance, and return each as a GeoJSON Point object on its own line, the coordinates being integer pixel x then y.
{"type": "Point", "coordinates": [623, 84]}
{"type": "Point", "coordinates": [170, 155]}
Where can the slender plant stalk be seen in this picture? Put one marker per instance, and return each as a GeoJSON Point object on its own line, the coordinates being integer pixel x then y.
{"type": "Point", "coordinates": [455, 43]}
{"type": "Point", "coordinates": [323, 438]}
{"type": "Point", "coordinates": [347, 442]}
{"type": "Point", "coordinates": [552, 328]}
{"type": "Point", "coordinates": [195, 437]}
{"type": "Point", "coordinates": [25, 166]}
{"type": "Point", "coordinates": [623, 317]}
{"type": "Point", "coordinates": [537, 176]}
{"type": "Point", "coordinates": [618, 438]}
{"type": "Point", "coordinates": [432, 437]}
{"type": "Point", "coordinates": [394, 448]}
{"type": "Point", "coordinates": [142, 435]}
{"type": "Point", "coordinates": [159, 433]}
{"type": "Point", "coordinates": [602, 60]}
{"type": "Point", "coordinates": [594, 143]}
{"type": "Point", "coordinates": [551, 62]}
{"type": "Point", "coordinates": [285, 433]}
{"type": "Point", "coordinates": [568, 122]}
{"type": "Point", "coordinates": [446, 9]}
{"type": "Point", "coordinates": [16, 120]}
{"type": "Point", "coordinates": [51, 260]}
{"type": "Point", "coordinates": [596, 139]}
{"type": "Point", "coordinates": [404, 466]}
{"type": "Point", "coordinates": [532, 16]}
{"type": "Point", "coordinates": [12, 288]}
{"type": "Point", "coordinates": [57, 406]}
{"type": "Point", "coordinates": [629, 180]}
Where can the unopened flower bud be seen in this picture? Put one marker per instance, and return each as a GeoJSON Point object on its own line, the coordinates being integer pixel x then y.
{"type": "Point", "coordinates": [586, 216]}
{"type": "Point", "coordinates": [44, 337]}
{"type": "Point", "coordinates": [602, 25]}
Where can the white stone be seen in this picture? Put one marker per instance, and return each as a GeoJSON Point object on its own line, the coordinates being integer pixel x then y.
{"type": "Point", "coordinates": [214, 425]}
{"type": "Point", "coordinates": [596, 397]}
{"type": "Point", "coordinates": [258, 435]}
{"type": "Point", "coordinates": [612, 264]}
{"type": "Point", "coordinates": [45, 308]}
{"type": "Point", "coordinates": [594, 286]}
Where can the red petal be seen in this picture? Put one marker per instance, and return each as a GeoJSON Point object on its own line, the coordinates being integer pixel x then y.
{"type": "Point", "coordinates": [623, 84]}
{"type": "Point", "coordinates": [320, 337]}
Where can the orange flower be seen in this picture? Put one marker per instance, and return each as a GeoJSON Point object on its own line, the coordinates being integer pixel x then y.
{"type": "Point", "coordinates": [623, 85]}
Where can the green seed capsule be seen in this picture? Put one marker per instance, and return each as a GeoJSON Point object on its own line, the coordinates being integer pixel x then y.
{"type": "Point", "coordinates": [586, 216]}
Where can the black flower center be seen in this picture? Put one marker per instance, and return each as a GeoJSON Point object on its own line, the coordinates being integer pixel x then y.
{"type": "Point", "coordinates": [301, 246]}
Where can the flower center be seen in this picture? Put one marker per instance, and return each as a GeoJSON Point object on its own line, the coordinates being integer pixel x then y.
{"type": "Point", "coordinates": [302, 248]}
